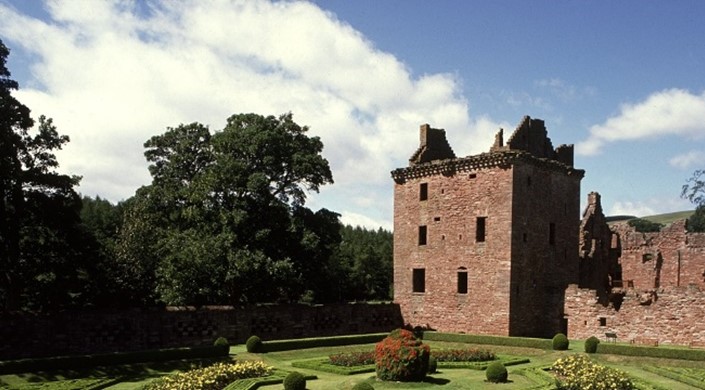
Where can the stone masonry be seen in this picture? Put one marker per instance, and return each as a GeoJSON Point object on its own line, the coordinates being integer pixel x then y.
{"type": "Point", "coordinates": [487, 243]}
{"type": "Point", "coordinates": [646, 288]}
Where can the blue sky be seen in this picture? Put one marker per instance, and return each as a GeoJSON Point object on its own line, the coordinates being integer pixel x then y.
{"type": "Point", "coordinates": [624, 81]}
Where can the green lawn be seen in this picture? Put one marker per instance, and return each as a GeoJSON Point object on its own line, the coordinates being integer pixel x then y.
{"type": "Point", "coordinates": [665, 374]}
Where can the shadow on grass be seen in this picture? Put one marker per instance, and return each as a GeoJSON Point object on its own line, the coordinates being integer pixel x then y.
{"type": "Point", "coordinates": [436, 381]}
{"type": "Point", "coordinates": [127, 372]}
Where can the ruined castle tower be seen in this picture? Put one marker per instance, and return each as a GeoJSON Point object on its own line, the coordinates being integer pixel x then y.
{"type": "Point", "coordinates": [487, 243]}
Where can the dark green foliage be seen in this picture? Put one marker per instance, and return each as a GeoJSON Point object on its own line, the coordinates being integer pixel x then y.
{"type": "Point", "coordinates": [364, 261]}
{"type": "Point", "coordinates": [696, 222]}
{"type": "Point", "coordinates": [401, 357]}
{"type": "Point", "coordinates": [294, 381]}
{"type": "Point", "coordinates": [644, 225]}
{"type": "Point", "coordinates": [254, 344]}
{"type": "Point", "coordinates": [694, 188]}
{"type": "Point", "coordinates": [496, 373]}
{"type": "Point", "coordinates": [489, 340]}
{"type": "Point", "coordinates": [432, 365]}
{"type": "Point", "coordinates": [363, 386]}
{"type": "Point", "coordinates": [591, 344]}
{"type": "Point", "coordinates": [657, 352]}
{"type": "Point", "coordinates": [221, 341]}
{"type": "Point", "coordinates": [43, 259]}
{"type": "Point", "coordinates": [560, 342]}
{"type": "Point", "coordinates": [108, 359]}
{"type": "Point", "coordinates": [288, 345]}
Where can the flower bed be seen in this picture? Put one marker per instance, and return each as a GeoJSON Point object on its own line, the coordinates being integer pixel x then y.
{"type": "Point", "coordinates": [214, 377]}
{"type": "Point", "coordinates": [577, 372]}
{"type": "Point", "coordinates": [352, 359]}
{"type": "Point", "coordinates": [463, 355]}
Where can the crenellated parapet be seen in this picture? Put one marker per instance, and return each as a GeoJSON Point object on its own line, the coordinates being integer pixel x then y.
{"type": "Point", "coordinates": [528, 143]}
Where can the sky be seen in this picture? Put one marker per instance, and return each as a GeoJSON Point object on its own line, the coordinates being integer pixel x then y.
{"type": "Point", "coordinates": [623, 81]}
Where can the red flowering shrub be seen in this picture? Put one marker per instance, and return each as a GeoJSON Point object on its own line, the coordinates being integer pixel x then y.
{"type": "Point", "coordinates": [401, 357]}
{"type": "Point", "coordinates": [352, 359]}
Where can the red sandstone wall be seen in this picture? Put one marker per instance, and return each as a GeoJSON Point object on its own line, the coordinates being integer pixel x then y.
{"type": "Point", "coordinates": [81, 332]}
{"type": "Point", "coordinates": [450, 214]}
{"type": "Point", "coordinates": [673, 316]}
{"type": "Point", "coordinates": [676, 258]}
{"type": "Point", "coordinates": [541, 270]}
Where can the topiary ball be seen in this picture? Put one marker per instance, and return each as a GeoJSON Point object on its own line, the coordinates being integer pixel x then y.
{"type": "Point", "coordinates": [591, 344]}
{"type": "Point", "coordinates": [560, 342]}
{"type": "Point", "coordinates": [363, 386]}
{"type": "Point", "coordinates": [496, 373]}
{"type": "Point", "coordinates": [254, 344]}
{"type": "Point", "coordinates": [432, 365]}
{"type": "Point", "coordinates": [294, 381]}
{"type": "Point", "coordinates": [221, 342]}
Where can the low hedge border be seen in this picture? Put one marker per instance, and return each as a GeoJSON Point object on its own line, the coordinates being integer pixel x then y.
{"type": "Point", "coordinates": [275, 378]}
{"type": "Point", "coordinates": [324, 365]}
{"type": "Point", "coordinates": [489, 340]}
{"type": "Point", "coordinates": [507, 361]}
{"type": "Point", "coordinates": [110, 359]}
{"type": "Point", "coordinates": [657, 352]}
{"type": "Point", "coordinates": [697, 381]}
{"type": "Point", "coordinates": [540, 376]}
{"type": "Point", "coordinates": [71, 384]}
{"type": "Point", "coordinates": [315, 342]}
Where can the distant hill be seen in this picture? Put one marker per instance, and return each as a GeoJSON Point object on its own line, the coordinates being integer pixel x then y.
{"type": "Point", "coordinates": [658, 218]}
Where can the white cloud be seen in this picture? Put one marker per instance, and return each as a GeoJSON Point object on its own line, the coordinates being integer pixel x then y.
{"type": "Point", "coordinates": [673, 112]}
{"type": "Point", "coordinates": [693, 158]}
{"type": "Point", "coordinates": [112, 74]}
{"type": "Point", "coordinates": [638, 209]}
{"type": "Point", "coordinates": [355, 219]}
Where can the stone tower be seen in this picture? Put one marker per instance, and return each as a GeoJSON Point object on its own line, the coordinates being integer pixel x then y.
{"type": "Point", "coordinates": [487, 243]}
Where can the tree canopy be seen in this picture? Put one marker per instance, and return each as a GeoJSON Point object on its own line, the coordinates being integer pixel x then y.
{"type": "Point", "coordinates": [694, 191]}
{"type": "Point", "coordinates": [41, 240]}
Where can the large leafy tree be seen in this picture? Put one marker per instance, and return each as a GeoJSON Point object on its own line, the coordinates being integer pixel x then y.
{"type": "Point", "coordinates": [225, 212]}
{"type": "Point", "coordinates": [694, 191]}
{"type": "Point", "coordinates": [40, 235]}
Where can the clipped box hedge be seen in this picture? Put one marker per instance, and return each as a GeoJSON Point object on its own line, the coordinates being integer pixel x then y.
{"type": "Point", "coordinates": [490, 340]}
{"type": "Point", "coordinates": [657, 352]}
{"type": "Point", "coordinates": [288, 345]}
{"type": "Point", "coordinates": [109, 359]}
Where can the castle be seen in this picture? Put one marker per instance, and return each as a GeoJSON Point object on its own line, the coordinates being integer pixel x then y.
{"type": "Point", "coordinates": [493, 244]}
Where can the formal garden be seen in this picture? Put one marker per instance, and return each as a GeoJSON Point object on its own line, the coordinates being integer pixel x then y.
{"type": "Point", "coordinates": [400, 360]}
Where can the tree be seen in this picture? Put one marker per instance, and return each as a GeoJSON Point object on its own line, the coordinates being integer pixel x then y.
{"type": "Point", "coordinates": [644, 225]}
{"type": "Point", "coordinates": [694, 191]}
{"type": "Point", "coordinates": [40, 234]}
{"type": "Point", "coordinates": [225, 212]}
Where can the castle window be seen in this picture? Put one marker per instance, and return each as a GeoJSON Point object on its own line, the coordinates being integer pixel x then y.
{"type": "Point", "coordinates": [480, 229]}
{"type": "Point", "coordinates": [419, 280]}
{"type": "Point", "coordinates": [462, 280]}
{"type": "Point", "coordinates": [603, 321]}
{"type": "Point", "coordinates": [472, 175]}
{"type": "Point", "coordinates": [423, 191]}
{"type": "Point", "coordinates": [551, 233]}
{"type": "Point", "coordinates": [423, 232]}
{"type": "Point", "coordinates": [528, 181]}
{"type": "Point", "coordinates": [524, 237]}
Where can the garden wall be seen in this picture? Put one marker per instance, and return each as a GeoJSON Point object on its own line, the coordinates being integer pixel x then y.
{"type": "Point", "coordinates": [100, 331]}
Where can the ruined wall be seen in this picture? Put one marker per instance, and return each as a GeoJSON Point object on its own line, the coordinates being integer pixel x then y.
{"type": "Point", "coordinates": [100, 331]}
{"type": "Point", "coordinates": [450, 215]}
{"type": "Point", "coordinates": [669, 258]}
{"type": "Point", "coordinates": [670, 315]}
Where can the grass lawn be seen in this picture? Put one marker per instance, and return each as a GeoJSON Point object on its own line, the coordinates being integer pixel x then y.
{"type": "Point", "coordinates": [134, 376]}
